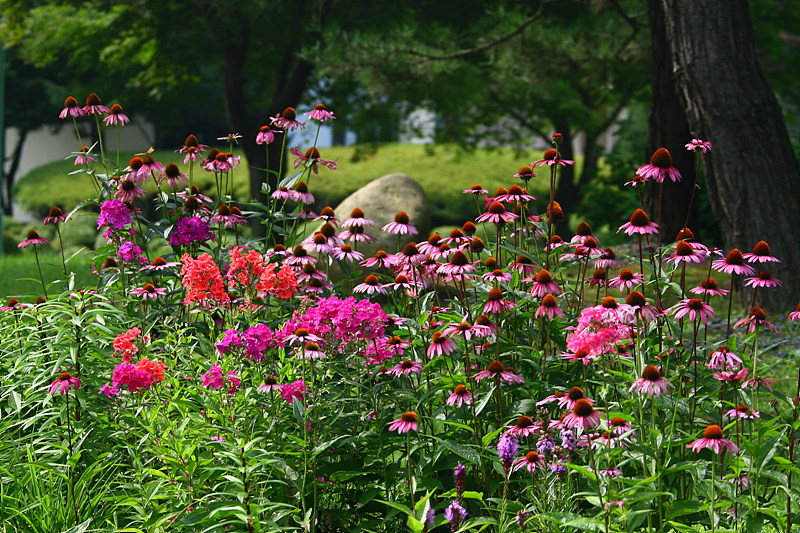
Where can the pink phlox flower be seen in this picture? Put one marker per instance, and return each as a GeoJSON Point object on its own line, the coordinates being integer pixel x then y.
{"type": "Point", "coordinates": [132, 376]}
{"type": "Point", "coordinates": [246, 266]}
{"type": "Point", "coordinates": [292, 391]}
{"type": "Point", "coordinates": [124, 346]}
{"type": "Point", "coordinates": [229, 340]}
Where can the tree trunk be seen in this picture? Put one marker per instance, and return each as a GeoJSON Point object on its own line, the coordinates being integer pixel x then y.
{"type": "Point", "coordinates": [752, 174]}
{"type": "Point", "coordinates": [10, 176]}
{"type": "Point", "coordinates": [668, 128]}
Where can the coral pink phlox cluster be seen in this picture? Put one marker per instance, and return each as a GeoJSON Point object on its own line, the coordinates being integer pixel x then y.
{"type": "Point", "coordinates": [279, 282]}
{"type": "Point", "coordinates": [203, 282]}
{"type": "Point", "coordinates": [245, 268]}
{"type": "Point", "coordinates": [597, 332]}
{"type": "Point", "coordinates": [124, 346]}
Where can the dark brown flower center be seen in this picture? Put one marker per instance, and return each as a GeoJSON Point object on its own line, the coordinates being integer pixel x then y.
{"type": "Point", "coordinates": [600, 273]}
{"type": "Point", "coordinates": [461, 390]}
{"type": "Point", "coordinates": [93, 99]}
{"type": "Point", "coordinates": [410, 249]}
{"type": "Point", "coordinates": [64, 376]}
{"type": "Point", "coordinates": [734, 257]}
{"type": "Point", "coordinates": [172, 170]}
{"type": "Point", "coordinates": [495, 294]}
{"type": "Point", "coordinates": [583, 229]}
{"type": "Point", "coordinates": [289, 113]}
{"type": "Point", "coordinates": [762, 248]}
{"type": "Point", "coordinates": [583, 408]}
{"type": "Point", "coordinates": [70, 101]}
{"type": "Point", "coordinates": [609, 302]}
{"type": "Point", "coordinates": [496, 366]}
{"type": "Point", "coordinates": [270, 380]}
{"type": "Point", "coordinates": [372, 279]}
{"type": "Point", "coordinates": [543, 277]}
{"type": "Point", "coordinates": [661, 158]}
{"type": "Point", "coordinates": [490, 263]}
{"type": "Point", "coordinates": [328, 230]}
{"type": "Point", "coordinates": [401, 217]}
{"type": "Point", "coordinates": [626, 275]}
{"type": "Point", "coordinates": [575, 393]}
{"type": "Point", "coordinates": [458, 259]}
{"type": "Point", "coordinates": [639, 218]}
{"type": "Point", "coordinates": [550, 154]}
{"type": "Point", "coordinates": [224, 210]}
{"type": "Point", "coordinates": [524, 422]}
{"type": "Point", "coordinates": [617, 421]}
{"type": "Point", "coordinates": [636, 299]}
{"type": "Point", "coordinates": [651, 373]}
{"type": "Point", "coordinates": [683, 248]}
{"type": "Point", "coordinates": [758, 313]}
{"type": "Point", "coordinates": [135, 163]}
{"type": "Point", "coordinates": [409, 416]}
{"type": "Point", "coordinates": [685, 234]}
{"type": "Point", "coordinates": [549, 301]}
{"type": "Point", "coordinates": [695, 304]}
{"type": "Point", "coordinates": [712, 432]}
{"type": "Point", "coordinates": [497, 208]}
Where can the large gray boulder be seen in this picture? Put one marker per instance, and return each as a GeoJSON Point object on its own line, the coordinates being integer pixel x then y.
{"type": "Point", "coordinates": [381, 200]}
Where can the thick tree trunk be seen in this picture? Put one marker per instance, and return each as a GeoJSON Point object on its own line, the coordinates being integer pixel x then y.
{"type": "Point", "coordinates": [752, 175]}
{"type": "Point", "coordinates": [668, 128]}
{"type": "Point", "coordinates": [11, 175]}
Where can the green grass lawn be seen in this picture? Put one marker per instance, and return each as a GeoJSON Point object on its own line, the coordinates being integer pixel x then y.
{"type": "Point", "coordinates": [19, 276]}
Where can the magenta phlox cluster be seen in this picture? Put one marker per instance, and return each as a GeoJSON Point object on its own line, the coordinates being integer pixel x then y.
{"type": "Point", "coordinates": [190, 229]}
{"type": "Point", "coordinates": [290, 391]}
{"type": "Point", "coordinates": [597, 332]}
{"type": "Point", "coordinates": [229, 340]}
{"type": "Point", "coordinates": [131, 376]}
{"type": "Point", "coordinates": [114, 213]}
{"type": "Point", "coordinates": [128, 251]}
{"type": "Point", "coordinates": [214, 378]}
{"type": "Point", "coordinates": [257, 340]}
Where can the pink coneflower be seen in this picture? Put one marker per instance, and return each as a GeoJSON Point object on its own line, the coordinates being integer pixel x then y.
{"type": "Point", "coordinates": [497, 276]}
{"type": "Point", "coordinates": [318, 244]}
{"type": "Point", "coordinates": [402, 283]}
{"type": "Point", "coordinates": [639, 224]}
{"type": "Point", "coordinates": [320, 113]}
{"type": "Point", "coordinates": [370, 286]}
{"type": "Point", "coordinates": [346, 253]}
{"type": "Point", "coordinates": [265, 135]}
{"type": "Point", "coordinates": [282, 193]}
{"type": "Point", "coordinates": [128, 191]}
{"type": "Point", "coordinates": [311, 352]}
{"type": "Point", "coordinates": [660, 167]}
{"type": "Point", "coordinates": [723, 357]}
{"type": "Point", "coordinates": [733, 263]}
{"type": "Point", "coordinates": [458, 267]}
{"type": "Point", "coordinates": [497, 214]}
{"type": "Point", "coordinates": [405, 423]}
{"type": "Point", "coordinates": [192, 148]}
{"type": "Point", "coordinates": [495, 303]}
{"type": "Point", "coordinates": [62, 384]}
{"type": "Point", "coordinates": [380, 259]}
{"type": "Point", "coordinates": [328, 215]}
{"type": "Point", "coordinates": [71, 108]}
{"type": "Point", "coordinates": [580, 355]}
{"type": "Point", "coordinates": [461, 395]}
{"type": "Point", "coordinates": [357, 219]}
{"type": "Point", "coordinates": [400, 225]}
{"type": "Point", "coordinates": [33, 238]}
{"type": "Point", "coordinates": [440, 345]}
{"type": "Point", "coordinates": [314, 158]}
{"type": "Point", "coordinates": [543, 284]}
{"type": "Point", "coordinates": [756, 381]}
{"type": "Point", "coordinates": [757, 318]}
{"type": "Point", "coordinates": [159, 263]}
{"type": "Point", "coordinates": [761, 254]}
{"type": "Point", "coordinates": [525, 173]}
{"type": "Point", "coordinates": [551, 158]}
{"type": "Point", "coordinates": [567, 401]}
{"type": "Point", "coordinates": [174, 177]}
{"type": "Point", "coordinates": [524, 427]}
{"type": "Point", "coordinates": [356, 234]}
{"type": "Point", "coordinates": [431, 245]}
{"type": "Point", "coordinates": [270, 384]}
{"type": "Point", "coordinates": [476, 189]}
{"type": "Point", "coordinates": [83, 157]}
{"type": "Point", "coordinates": [742, 411]}
{"type": "Point", "coordinates": [651, 382]}
{"type": "Point", "coordinates": [599, 278]}
{"type": "Point", "coordinates": [150, 167]}
{"type": "Point", "coordinates": [116, 117]}
{"type": "Point", "coordinates": [405, 368]}
{"type": "Point", "coordinates": [686, 253]}
{"type": "Point", "coordinates": [523, 264]}
{"type": "Point", "coordinates": [530, 461]}
{"type": "Point", "coordinates": [712, 438]}
{"type": "Point", "coordinates": [300, 193]}
{"type": "Point", "coordinates": [764, 279]}
{"type": "Point", "coordinates": [95, 106]}
{"type": "Point", "coordinates": [610, 308]}
{"type": "Point", "coordinates": [732, 376]}
{"type": "Point", "coordinates": [299, 256]}
{"type": "Point", "coordinates": [697, 144]}
{"type": "Point", "coordinates": [794, 316]}
{"type": "Point", "coordinates": [149, 291]}
{"type": "Point", "coordinates": [583, 416]}
{"type": "Point", "coordinates": [626, 280]}
{"type": "Point", "coordinates": [607, 260]}
{"type": "Point", "coordinates": [709, 286]}
{"type": "Point", "coordinates": [515, 194]}
{"type": "Point", "coordinates": [549, 308]}
{"type": "Point", "coordinates": [301, 335]}
{"type": "Point", "coordinates": [287, 120]}
{"type": "Point", "coordinates": [55, 215]}
{"type": "Point", "coordinates": [694, 307]}
{"type": "Point", "coordinates": [496, 369]}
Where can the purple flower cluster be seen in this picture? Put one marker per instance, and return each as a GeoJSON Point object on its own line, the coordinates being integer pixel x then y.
{"type": "Point", "coordinates": [128, 251]}
{"type": "Point", "coordinates": [507, 449]}
{"type": "Point", "coordinates": [114, 213]}
{"type": "Point", "coordinates": [133, 377]}
{"type": "Point", "coordinates": [190, 229]}
{"type": "Point", "coordinates": [215, 379]}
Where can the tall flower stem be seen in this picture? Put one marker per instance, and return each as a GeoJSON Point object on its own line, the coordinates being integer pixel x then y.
{"type": "Point", "coordinates": [61, 246]}
{"type": "Point", "coordinates": [39, 267]}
